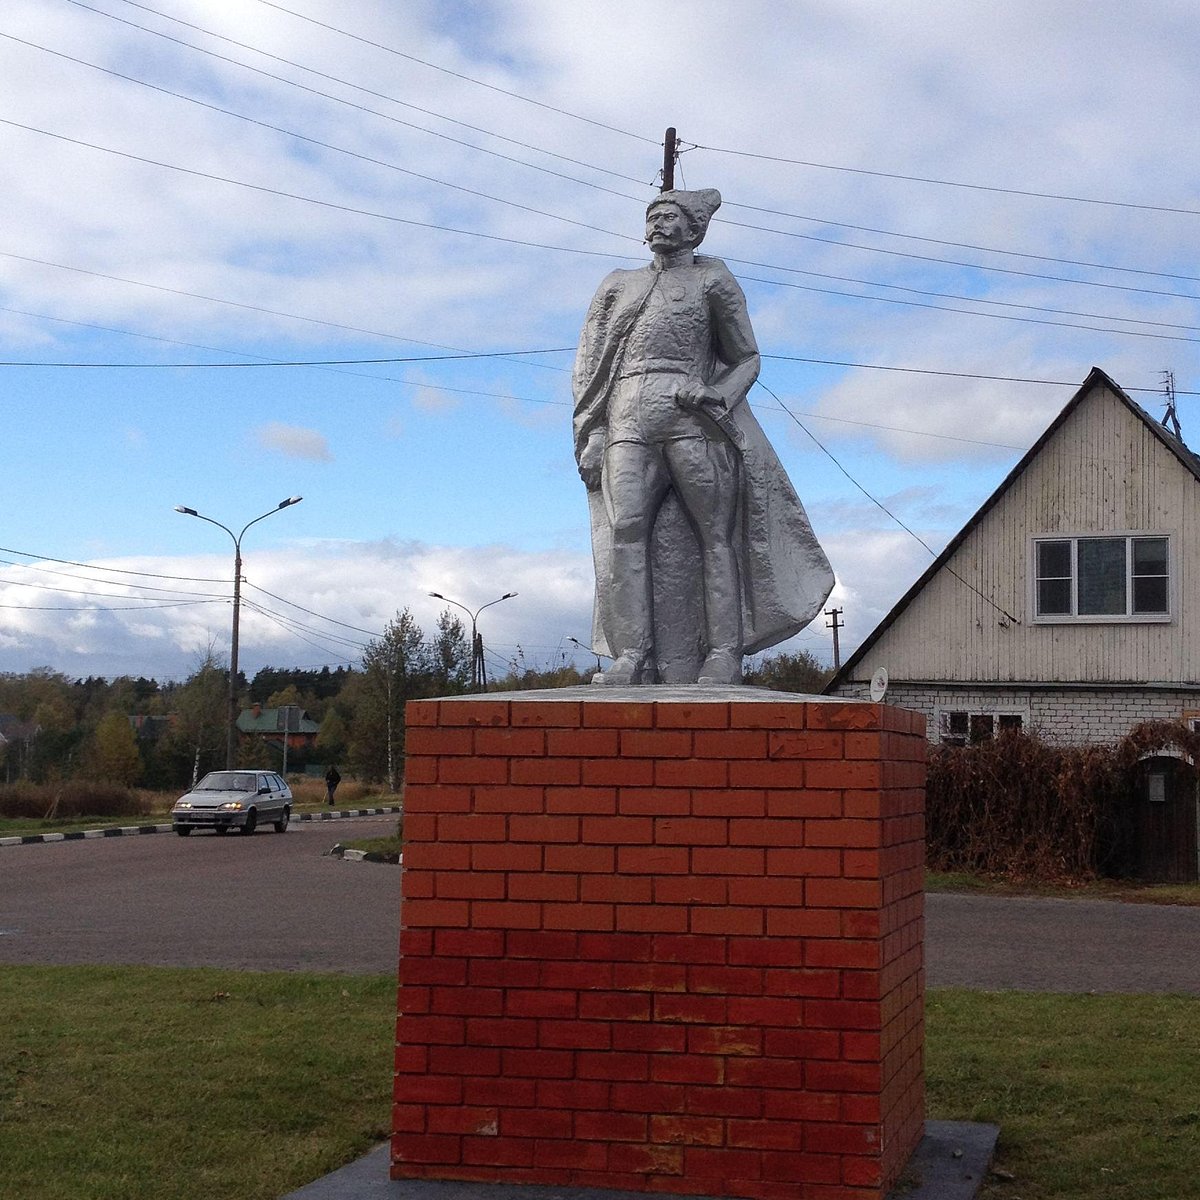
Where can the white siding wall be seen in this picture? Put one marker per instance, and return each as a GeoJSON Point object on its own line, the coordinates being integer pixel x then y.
{"type": "Point", "coordinates": [1103, 471]}
{"type": "Point", "coordinates": [1065, 717]}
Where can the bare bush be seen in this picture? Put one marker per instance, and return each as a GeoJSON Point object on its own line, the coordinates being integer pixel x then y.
{"type": "Point", "coordinates": [1015, 807]}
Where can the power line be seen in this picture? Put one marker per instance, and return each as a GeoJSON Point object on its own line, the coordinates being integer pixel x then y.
{"type": "Point", "coordinates": [951, 262]}
{"type": "Point", "coordinates": [458, 75]}
{"type": "Point", "coordinates": [319, 362]}
{"type": "Point", "coordinates": [601, 254]}
{"type": "Point", "coordinates": [573, 179]}
{"type": "Point", "coordinates": [975, 187]}
{"type": "Point", "coordinates": [543, 150]}
{"type": "Point", "coordinates": [66, 562]}
{"type": "Point", "coordinates": [321, 616]}
{"type": "Point", "coordinates": [367, 158]}
{"type": "Point", "coordinates": [84, 579]}
{"type": "Point", "coordinates": [883, 507]}
{"type": "Point", "coordinates": [806, 287]}
{"type": "Point", "coordinates": [258, 308]}
{"type": "Point", "coordinates": [103, 607]}
{"type": "Point", "coordinates": [341, 99]}
{"type": "Point", "coordinates": [330, 204]}
{"type": "Point", "coordinates": [913, 237]}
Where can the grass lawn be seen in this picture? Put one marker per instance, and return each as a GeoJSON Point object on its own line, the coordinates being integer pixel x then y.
{"type": "Point", "coordinates": [136, 1083]}
{"type": "Point", "coordinates": [1130, 891]}
{"type": "Point", "coordinates": [152, 1083]}
{"type": "Point", "coordinates": [1096, 1096]}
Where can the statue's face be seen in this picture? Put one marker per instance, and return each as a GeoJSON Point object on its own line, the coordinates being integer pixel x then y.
{"type": "Point", "coordinates": [667, 229]}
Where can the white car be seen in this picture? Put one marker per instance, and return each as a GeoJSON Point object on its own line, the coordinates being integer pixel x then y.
{"type": "Point", "coordinates": [225, 800]}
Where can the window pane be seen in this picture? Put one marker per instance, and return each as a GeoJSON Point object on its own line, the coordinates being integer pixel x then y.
{"type": "Point", "coordinates": [1054, 597]}
{"type": "Point", "coordinates": [1010, 722]}
{"type": "Point", "coordinates": [1149, 556]}
{"type": "Point", "coordinates": [1150, 595]}
{"type": "Point", "coordinates": [982, 727]}
{"type": "Point", "coordinates": [1054, 560]}
{"type": "Point", "coordinates": [1102, 577]}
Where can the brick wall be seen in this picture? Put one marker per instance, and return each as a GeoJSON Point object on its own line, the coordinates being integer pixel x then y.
{"type": "Point", "coordinates": [662, 946]}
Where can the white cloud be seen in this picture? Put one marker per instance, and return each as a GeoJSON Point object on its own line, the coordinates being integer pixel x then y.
{"type": "Point", "coordinates": [293, 442]}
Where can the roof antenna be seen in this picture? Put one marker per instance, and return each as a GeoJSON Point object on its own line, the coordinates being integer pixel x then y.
{"type": "Point", "coordinates": [1170, 417]}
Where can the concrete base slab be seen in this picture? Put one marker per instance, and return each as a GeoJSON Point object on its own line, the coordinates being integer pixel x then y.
{"type": "Point", "coordinates": [949, 1164]}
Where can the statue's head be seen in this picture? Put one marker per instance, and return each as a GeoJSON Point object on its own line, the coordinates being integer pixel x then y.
{"type": "Point", "coordinates": [695, 210]}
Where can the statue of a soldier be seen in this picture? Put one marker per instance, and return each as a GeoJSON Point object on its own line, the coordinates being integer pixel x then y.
{"type": "Point", "coordinates": [703, 551]}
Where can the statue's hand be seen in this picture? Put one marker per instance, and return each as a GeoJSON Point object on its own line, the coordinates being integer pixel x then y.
{"type": "Point", "coordinates": [697, 394]}
{"type": "Point", "coordinates": [591, 461]}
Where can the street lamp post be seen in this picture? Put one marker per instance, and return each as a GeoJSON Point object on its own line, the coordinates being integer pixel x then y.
{"type": "Point", "coordinates": [231, 730]}
{"type": "Point", "coordinates": [478, 670]}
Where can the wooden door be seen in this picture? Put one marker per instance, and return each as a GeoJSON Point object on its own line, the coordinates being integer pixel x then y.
{"type": "Point", "coordinates": [1166, 821]}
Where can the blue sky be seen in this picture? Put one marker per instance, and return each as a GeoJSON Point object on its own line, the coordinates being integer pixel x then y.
{"type": "Point", "coordinates": [457, 475]}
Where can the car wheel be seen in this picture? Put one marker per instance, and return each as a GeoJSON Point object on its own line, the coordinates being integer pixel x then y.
{"type": "Point", "coordinates": [183, 830]}
{"type": "Point", "coordinates": [284, 818]}
{"type": "Point", "coordinates": [251, 823]}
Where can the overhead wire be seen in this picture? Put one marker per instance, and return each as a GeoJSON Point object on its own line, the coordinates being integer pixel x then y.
{"type": "Point", "coordinates": [329, 204]}
{"type": "Point", "coordinates": [954, 183]}
{"type": "Point", "coordinates": [951, 262]}
{"type": "Point", "coordinates": [258, 308]}
{"type": "Point", "coordinates": [602, 254]}
{"type": "Point", "coordinates": [883, 507]}
{"type": "Point", "coordinates": [366, 158]}
{"type": "Point", "coordinates": [112, 570]}
{"type": "Point", "coordinates": [913, 237]}
{"type": "Point", "coordinates": [355, 87]}
{"type": "Point", "coordinates": [586, 183]}
{"type": "Point", "coordinates": [458, 74]}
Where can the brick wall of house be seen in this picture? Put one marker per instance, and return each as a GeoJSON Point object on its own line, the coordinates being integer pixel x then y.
{"type": "Point", "coordinates": [662, 946]}
{"type": "Point", "coordinates": [1067, 716]}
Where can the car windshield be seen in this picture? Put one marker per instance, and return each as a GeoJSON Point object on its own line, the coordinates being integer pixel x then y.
{"type": "Point", "coordinates": [226, 781]}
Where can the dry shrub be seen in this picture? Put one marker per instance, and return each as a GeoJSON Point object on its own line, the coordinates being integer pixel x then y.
{"type": "Point", "coordinates": [310, 790]}
{"type": "Point", "coordinates": [70, 800]}
{"type": "Point", "coordinates": [1018, 808]}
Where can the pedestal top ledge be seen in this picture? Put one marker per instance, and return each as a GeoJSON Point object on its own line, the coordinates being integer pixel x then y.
{"type": "Point", "coordinates": [654, 693]}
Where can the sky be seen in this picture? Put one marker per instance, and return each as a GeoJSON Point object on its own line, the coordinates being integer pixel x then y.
{"type": "Point", "coordinates": [342, 250]}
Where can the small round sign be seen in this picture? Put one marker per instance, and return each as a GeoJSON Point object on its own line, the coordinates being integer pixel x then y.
{"type": "Point", "coordinates": [879, 684]}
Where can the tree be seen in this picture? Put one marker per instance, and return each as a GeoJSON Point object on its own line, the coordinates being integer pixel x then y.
{"type": "Point", "coordinates": [288, 697]}
{"type": "Point", "coordinates": [333, 738]}
{"type": "Point", "coordinates": [393, 666]}
{"type": "Point", "coordinates": [449, 657]}
{"type": "Point", "coordinates": [799, 672]}
{"type": "Point", "coordinates": [201, 711]}
{"type": "Point", "coordinates": [112, 754]}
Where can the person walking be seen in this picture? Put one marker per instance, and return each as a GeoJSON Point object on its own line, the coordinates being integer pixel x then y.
{"type": "Point", "coordinates": [332, 779]}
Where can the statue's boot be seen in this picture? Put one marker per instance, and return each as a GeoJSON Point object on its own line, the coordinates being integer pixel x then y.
{"type": "Point", "coordinates": [721, 667]}
{"type": "Point", "coordinates": [627, 670]}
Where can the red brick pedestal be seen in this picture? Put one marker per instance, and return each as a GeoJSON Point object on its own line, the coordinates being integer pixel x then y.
{"type": "Point", "coordinates": [668, 944]}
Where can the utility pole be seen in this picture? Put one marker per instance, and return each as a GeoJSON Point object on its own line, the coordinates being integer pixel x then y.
{"type": "Point", "coordinates": [669, 156]}
{"type": "Point", "coordinates": [1170, 417]}
{"type": "Point", "coordinates": [834, 624]}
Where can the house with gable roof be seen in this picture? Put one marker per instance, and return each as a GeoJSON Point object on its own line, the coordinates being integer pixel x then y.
{"type": "Point", "coordinates": [1069, 604]}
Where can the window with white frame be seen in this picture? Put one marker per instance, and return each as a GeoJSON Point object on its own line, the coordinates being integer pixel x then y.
{"type": "Point", "coordinates": [962, 727]}
{"type": "Point", "coordinates": [1126, 577]}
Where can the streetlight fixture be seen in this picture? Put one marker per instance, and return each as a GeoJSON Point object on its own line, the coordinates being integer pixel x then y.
{"type": "Point", "coordinates": [478, 670]}
{"type": "Point", "coordinates": [231, 730]}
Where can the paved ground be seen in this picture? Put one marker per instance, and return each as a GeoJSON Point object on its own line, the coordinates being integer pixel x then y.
{"type": "Point", "coordinates": [271, 902]}
{"type": "Point", "coordinates": [1031, 944]}
{"type": "Point", "coordinates": [278, 902]}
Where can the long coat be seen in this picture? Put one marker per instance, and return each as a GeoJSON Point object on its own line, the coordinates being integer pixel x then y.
{"type": "Point", "coordinates": [785, 575]}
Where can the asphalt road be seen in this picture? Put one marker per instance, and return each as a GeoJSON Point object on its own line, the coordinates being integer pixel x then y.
{"type": "Point", "coordinates": [280, 903]}
{"type": "Point", "coordinates": [270, 902]}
